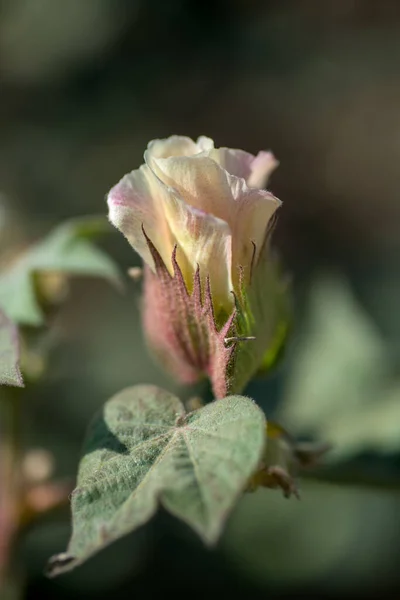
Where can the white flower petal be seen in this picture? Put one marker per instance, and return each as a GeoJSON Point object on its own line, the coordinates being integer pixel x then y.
{"type": "Point", "coordinates": [255, 211]}
{"type": "Point", "coordinates": [263, 165]}
{"type": "Point", "coordinates": [204, 143]}
{"type": "Point", "coordinates": [236, 162]}
{"type": "Point", "coordinates": [137, 202]}
{"type": "Point", "coordinates": [198, 180]}
{"type": "Point", "coordinates": [204, 241]}
{"type": "Point", "coordinates": [254, 169]}
{"type": "Point", "coordinates": [175, 145]}
{"type": "Point", "coordinates": [206, 201]}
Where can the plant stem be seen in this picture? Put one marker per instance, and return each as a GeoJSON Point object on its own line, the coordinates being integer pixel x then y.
{"type": "Point", "coordinates": [9, 488]}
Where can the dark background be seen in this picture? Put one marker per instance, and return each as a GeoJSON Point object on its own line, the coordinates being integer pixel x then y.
{"type": "Point", "coordinates": [85, 84]}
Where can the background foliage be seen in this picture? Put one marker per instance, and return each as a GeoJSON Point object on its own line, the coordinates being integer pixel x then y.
{"type": "Point", "coordinates": [84, 86]}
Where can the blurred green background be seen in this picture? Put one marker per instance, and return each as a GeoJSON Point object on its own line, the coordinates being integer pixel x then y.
{"type": "Point", "coordinates": [84, 85]}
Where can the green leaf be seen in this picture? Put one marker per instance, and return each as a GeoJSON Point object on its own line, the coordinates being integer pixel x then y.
{"type": "Point", "coordinates": [68, 249]}
{"type": "Point", "coordinates": [10, 373]}
{"type": "Point", "coordinates": [340, 388]}
{"type": "Point", "coordinates": [144, 451]}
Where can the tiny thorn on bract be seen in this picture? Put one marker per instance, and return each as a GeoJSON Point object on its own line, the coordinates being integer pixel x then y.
{"type": "Point", "coordinates": [239, 338]}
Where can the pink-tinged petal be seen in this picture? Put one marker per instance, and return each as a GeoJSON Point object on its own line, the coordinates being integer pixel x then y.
{"type": "Point", "coordinates": [199, 180]}
{"type": "Point", "coordinates": [262, 166]}
{"type": "Point", "coordinates": [254, 169]}
{"type": "Point", "coordinates": [236, 162]}
{"type": "Point", "coordinates": [175, 145]}
{"type": "Point", "coordinates": [203, 241]}
{"type": "Point", "coordinates": [136, 203]}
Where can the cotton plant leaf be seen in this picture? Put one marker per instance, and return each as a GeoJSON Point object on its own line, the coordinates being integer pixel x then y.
{"type": "Point", "coordinates": [10, 373]}
{"type": "Point", "coordinates": [144, 451]}
{"type": "Point", "coordinates": [69, 250]}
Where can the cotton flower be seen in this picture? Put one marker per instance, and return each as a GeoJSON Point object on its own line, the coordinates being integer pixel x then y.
{"type": "Point", "coordinates": [199, 218]}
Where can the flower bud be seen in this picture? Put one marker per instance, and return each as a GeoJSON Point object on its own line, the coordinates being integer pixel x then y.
{"type": "Point", "coordinates": [213, 303]}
